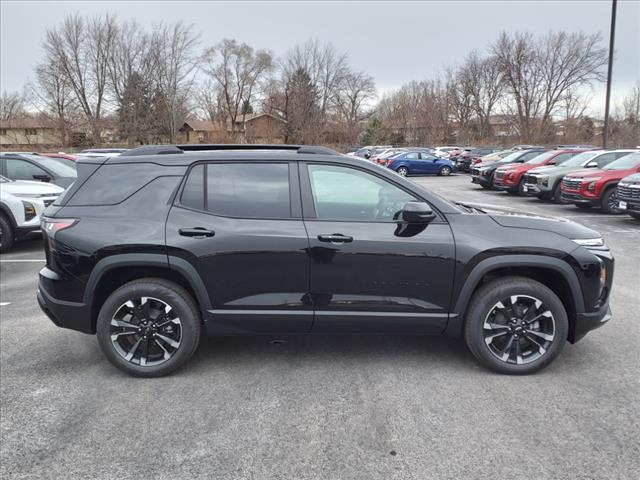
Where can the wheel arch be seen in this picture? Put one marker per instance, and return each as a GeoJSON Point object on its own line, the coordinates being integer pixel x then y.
{"type": "Point", "coordinates": [112, 272]}
{"type": "Point", "coordinates": [554, 273]}
{"type": "Point", "coordinates": [6, 212]}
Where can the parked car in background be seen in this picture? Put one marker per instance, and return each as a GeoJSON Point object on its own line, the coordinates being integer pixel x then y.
{"type": "Point", "coordinates": [416, 162]}
{"type": "Point", "coordinates": [366, 152]}
{"type": "Point", "coordinates": [545, 182]}
{"type": "Point", "coordinates": [444, 152]}
{"type": "Point", "coordinates": [384, 156]}
{"type": "Point", "coordinates": [510, 178]}
{"type": "Point", "coordinates": [628, 194]}
{"type": "Point", "coordinates": [21, 205]}
{"type": "Point", "coordinates": [29, 166]}
{"type": "Point", "coordinates": [483, 173]}
{"type": "Point", "coordinates": [64, 157]}
{"type": "Point", "coordinates": [596, 187]}
{"type": "Point", "coordinates": [578, 146]}
{"type": "Point", "coordinates": [103, 152]}
{"type": "Point", "coordinates": [472, 156]}
{"type": "Point", "coordinates": [526, 147]}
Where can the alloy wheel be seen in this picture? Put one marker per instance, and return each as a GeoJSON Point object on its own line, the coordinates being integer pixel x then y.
{"type": "Point", "coordinates": [403, 171]}
{"type": "Point", "coordinates": [145, 331]}
{"type": "Point", "coordinates": [519, 329]}
{"type": "Point", "coordinates": [445, 171]}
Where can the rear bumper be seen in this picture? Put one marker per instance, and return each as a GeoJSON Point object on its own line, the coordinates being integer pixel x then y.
{"type": "Point", "coordinates": [64, 314]}
{"type": "Point", "coordinates": [585, 322]}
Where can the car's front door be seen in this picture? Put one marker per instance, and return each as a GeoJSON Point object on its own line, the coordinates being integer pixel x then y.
{"type": "Point", "coordinates": [430, 164]}
{"type": "Point", "coordinates": [370, 274]}
{"type": "Point", "coordinates": [239, 225]}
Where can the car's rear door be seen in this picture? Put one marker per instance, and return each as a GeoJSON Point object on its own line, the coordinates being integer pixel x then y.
{"type": "Point", "coordinates": [239, 225]}
{"type": "Point", "coordinates": [369, 275]}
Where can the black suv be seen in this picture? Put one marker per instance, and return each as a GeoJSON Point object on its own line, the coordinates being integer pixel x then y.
{"type": "Point", "coordinates": [149, 249]}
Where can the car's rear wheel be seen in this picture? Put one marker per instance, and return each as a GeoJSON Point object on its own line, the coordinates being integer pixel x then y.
{"type": "Point", "coordinates": [403, 171]}
{"type": "Point", "coordinates": [610, 202]}
{"type": "Point", "coordinates": [515, 325]}
{"type": "Point", "coordinates": [7, 235]}
{"type": "Point", "coordinates": [149, 327]}
{"type": "Point", "coordinates": [445, 171]}
{"type": "Point", "coordinates": [635, 215]}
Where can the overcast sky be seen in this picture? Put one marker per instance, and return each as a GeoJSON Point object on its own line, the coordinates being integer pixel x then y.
{"type": "Point", "coordinates": [395, 42]}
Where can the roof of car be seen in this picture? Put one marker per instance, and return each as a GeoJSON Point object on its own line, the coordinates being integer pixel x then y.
{"type": "Point", "coordinates": [188, 154]}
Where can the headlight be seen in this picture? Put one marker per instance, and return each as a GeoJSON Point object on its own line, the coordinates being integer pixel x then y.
{"type": "Point", "coordinates": [589, 242]}
{"type": "Point", "coordinates": [591, 186]}
{"type": "Point", "coordinates": [29, 211]}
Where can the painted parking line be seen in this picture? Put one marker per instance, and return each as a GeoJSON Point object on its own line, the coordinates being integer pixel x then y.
{"type": "Point", "coordinates": [4, 304]}
{"type": "Point", "coordinates": [42, 260]}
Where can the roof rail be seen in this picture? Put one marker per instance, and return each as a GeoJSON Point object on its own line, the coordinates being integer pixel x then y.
{"type": "Point", "coordinates": [173, 149]}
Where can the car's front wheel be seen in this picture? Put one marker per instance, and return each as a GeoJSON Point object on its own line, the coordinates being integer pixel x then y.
{"type": "Point", "coordinates": [6, 235]}
{"type": "Point", "coordinates": [149, 327]}
{"type": "Point", "coordinates": [445, 171]}
{"type": "Point", "coordinates": [403, 171]}
{"type": "Point", "coordinates": [515, 325]}
{"type": "Point", "coordinates": [610, 202]}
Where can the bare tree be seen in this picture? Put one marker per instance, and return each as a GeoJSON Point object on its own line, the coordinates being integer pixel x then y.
{"type": "Point", "coordinates": [172, 50]}
{"type": "Point", "coordinates": [53, 97]}
{"type": "Point", "coordinates": [237, 70]}
{"type": "Point", "coordinates": [82, 49]}
{"type": "Point", "coordinates": [540, 72]}
{"type": "Point", "coordinates": [11, 105]}
{"type": "Point", "coordinates": [358, 89]}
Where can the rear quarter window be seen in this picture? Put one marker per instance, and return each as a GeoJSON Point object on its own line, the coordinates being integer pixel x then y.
{"type": "Point", "coordinates": [112, 184]}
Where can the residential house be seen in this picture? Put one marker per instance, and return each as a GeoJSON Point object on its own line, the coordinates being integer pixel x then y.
{"type": "Point", "coordinates": [27, 133]}
{"type": "Point", "coordinates": [261, 128]}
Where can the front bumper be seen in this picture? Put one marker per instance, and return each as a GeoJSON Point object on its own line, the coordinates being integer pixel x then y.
{"type": "Point", "coordinates": [481, 180]}
{"type": "Point", "coordinates": [65, 314]}
{"type": "Point", "coordinates": [578, 198]}
{"type": "Point", "coordinates": [629, 205]}
{"type": "Point", "coordinates": [585, 322]}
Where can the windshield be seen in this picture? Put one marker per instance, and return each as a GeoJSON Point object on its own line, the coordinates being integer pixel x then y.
{"type": "Point", "coordinates": [624, 163]}
{"type": "Point", "coordinates": [55, 165]}
{"type": "Point", "coordinates": [510, 158]}
{"type": "Point", "coordinates": [540, 159]}
{"type": "Point", "coordinates": [580, 159]}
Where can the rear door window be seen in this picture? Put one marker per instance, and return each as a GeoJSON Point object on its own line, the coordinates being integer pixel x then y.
{"type": "Point", "coordinates": [23, 170]}
{"type": "Point", "coordinates": [239, 190]}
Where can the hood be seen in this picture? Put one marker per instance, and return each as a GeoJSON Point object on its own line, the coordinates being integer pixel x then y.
{"type": "Point", "coordinates": [548, 169]}
{"type": "Point", "coordinates": [26, 187]}
{"type": "Point", "coordinates": [513, 166]}
{"type": "Point", "coordinates": [508, 217]}
{"type": "Point", "coordinates": [635, 178]}
{"type": "Point", "coordinates": [587, 172]}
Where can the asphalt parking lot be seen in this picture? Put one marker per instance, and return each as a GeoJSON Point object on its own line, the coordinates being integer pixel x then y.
{"type": "Point", "coordinates": [323, 407]}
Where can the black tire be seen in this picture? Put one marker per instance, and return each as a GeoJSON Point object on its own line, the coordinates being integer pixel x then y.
{"type": "Point", "coordinates": [485, 302]}
{"type": "Point", "coordinates": [7, 235]}
{"type": "Point", "coordinates": [609, 202]}
{"type": "Point", "coordinates": [557, 196]}
{"type": "Point", "coordinates": [520, 190]}
{"type": "Point", "coordinates": [445, 171]}
{"type": "Point", "coordinates": [155, 289]}
{"type": "Point", "coordinates": [486, 187]}
{"type": "Point", "coordinates": [403, 171]}
{"type": "Point", "coordinates": [635, 215]}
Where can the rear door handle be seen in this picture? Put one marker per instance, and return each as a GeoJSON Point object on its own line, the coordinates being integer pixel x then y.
{"type": "Point", "coordinates": [197, 232]}
{"type": "Point", "coordinates": [335, 238]}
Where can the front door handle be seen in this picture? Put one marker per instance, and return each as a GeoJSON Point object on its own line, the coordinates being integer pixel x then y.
{"type": "Point", "coordinates": [335, 238]}
{"type": "Point", "coordinates": [197, 232]}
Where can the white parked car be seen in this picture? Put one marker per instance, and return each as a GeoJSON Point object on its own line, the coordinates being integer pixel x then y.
{"type": "Point", "coordinates": [21, 205]}
{"type": "Point", "coordinates": [444, 152]}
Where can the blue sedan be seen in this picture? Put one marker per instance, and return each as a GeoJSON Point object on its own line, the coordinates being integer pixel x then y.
{"type": "Point", "coordinates": [411, 163]}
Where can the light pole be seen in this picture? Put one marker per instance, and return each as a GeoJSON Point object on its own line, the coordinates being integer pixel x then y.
{"type": "Point", "coordinates": [612, 37]}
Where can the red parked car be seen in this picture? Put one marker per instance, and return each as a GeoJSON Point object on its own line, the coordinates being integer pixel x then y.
{"type": "Point", "coordinates": [511, 177]}
{"type": "Point", "coordinates": [591, 187]}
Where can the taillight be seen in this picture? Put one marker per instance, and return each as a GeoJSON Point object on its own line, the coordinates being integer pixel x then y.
{"type": "Point", "coordinates": [51, 226]}
{"type": "Point", "coordinates": [389, 163]}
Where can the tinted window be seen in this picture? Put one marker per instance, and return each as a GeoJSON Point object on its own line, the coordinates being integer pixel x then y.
{"type": "Point", "coordinates": [112, 184]}
{"type": "Point", "coordinates": [255, 190]}
{"type": "Point", "coordinates": [57, 166]}
{"type": "Point", "coordinates": [193, 192]}
{"type": "Point", "coordinates": [22, 170]}
{"type": "Point", "coordinates": [624, 163]}
{"type": "Point", "coordinates": [346, 194]}
{"type": "Point", "coordinates": [411, 156]}
{"type": "Point", "coordinates": [528, 156]}
{"type": "Point", "coordinates": [605, 159]}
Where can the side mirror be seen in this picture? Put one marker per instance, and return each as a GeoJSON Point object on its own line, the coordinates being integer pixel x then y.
{"type": "Point", "coordinates": [552, 162]}
{"type": "Point", "coordinates": [416, 212]}
{"type": "Point", "coordinates": [42, 178]}
{"type": "Point", "coordinates": [591, 165]}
